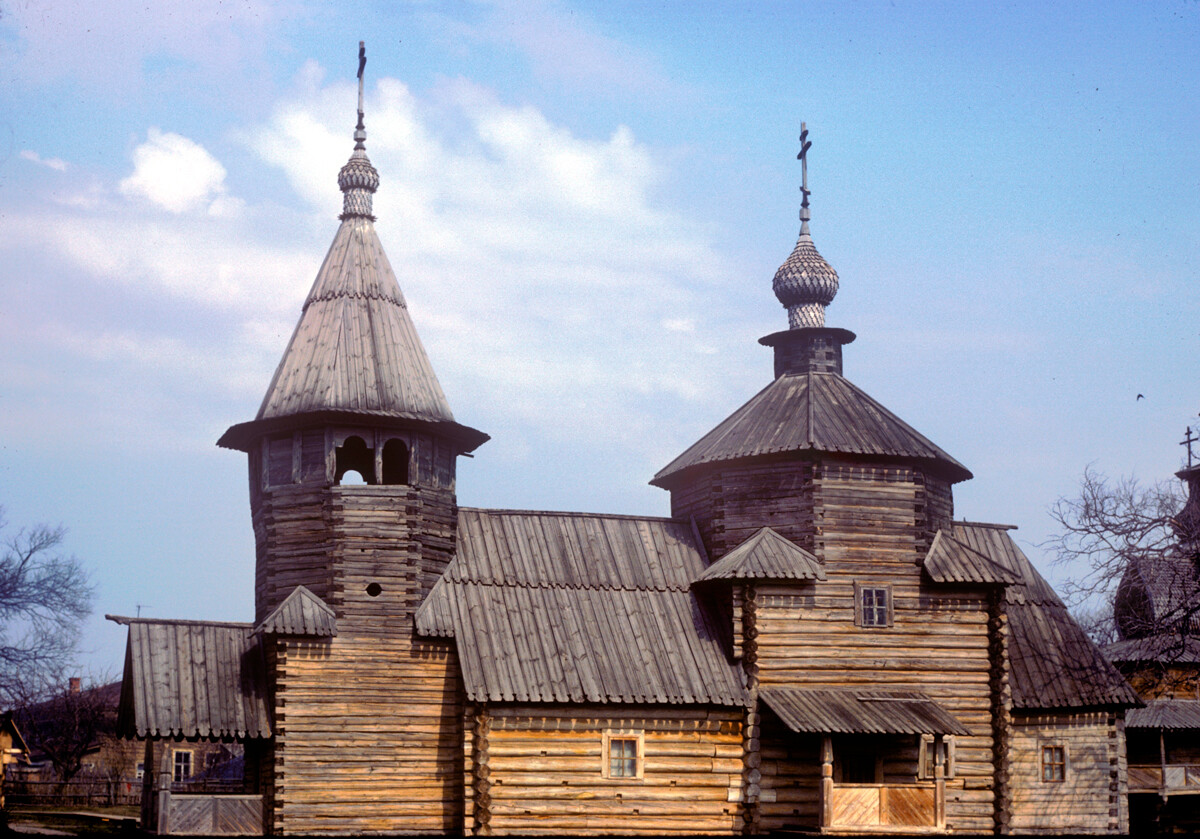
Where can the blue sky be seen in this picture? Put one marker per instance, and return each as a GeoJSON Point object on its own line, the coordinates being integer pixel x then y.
{"type": "Point", "coordinates": [585, 204]}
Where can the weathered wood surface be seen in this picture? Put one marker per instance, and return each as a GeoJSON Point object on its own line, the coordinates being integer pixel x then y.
{"type": "Point", "coordinates": [369, 736]}
{"type": "Point", "coordinates": [193, 679]}
{"type": "Point", "coordinates": [214, 815]}
{"type": "Point", "coordinates": [545, 771]}
{"type": "Point", "coordinates": [810, 412]}
{"type": "Point", "coordinates": [581, 608]}
{"type": "Point", "coordinates": [1093, 796]}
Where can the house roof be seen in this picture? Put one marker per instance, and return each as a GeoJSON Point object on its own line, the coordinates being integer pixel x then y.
{"type": "Point", "coordinates": [1165, 713]}
{"type": "Point", "coordinates": [765, 556]}
{"type": "Point", "coordinates": [574, 607]}
{"type": "Point", "coordinates": [1054, 663]}
{"type": "Point", "coordinates": [1167, 648]}
{"type": "Point", "coordinates": [193, 679]}
{"type": "Point", "coordinates": [812, 412]}
{"type": "Point", "coordinates": [300, 613]}
{"type": "Point", "coordinates": [844, 711]}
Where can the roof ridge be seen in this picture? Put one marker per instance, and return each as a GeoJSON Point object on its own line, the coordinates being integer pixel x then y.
{"type": "Point", "coordinates": [564, 586]}
{"type": "Point", "coordinates": [126, 621]}
{"type": "Point", "coordinates": [507, 511]}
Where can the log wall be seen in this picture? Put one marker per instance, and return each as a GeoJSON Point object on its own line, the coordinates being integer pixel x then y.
{"type": "Point", "coordinates": [870, 524]}
{"type": "Point", "coordinates": [544, 771]}
{"type": "Point", "coordinates": [1093, 798]}
{"type": "Point", "coordinates": [369, 724]}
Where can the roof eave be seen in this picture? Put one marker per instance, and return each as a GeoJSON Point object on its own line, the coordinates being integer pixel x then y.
{"type": "Point", "coordinates": [242, 436]}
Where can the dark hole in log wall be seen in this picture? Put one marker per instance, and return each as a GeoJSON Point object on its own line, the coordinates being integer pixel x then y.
{"type": "Point", "coordinates": [354, 456]}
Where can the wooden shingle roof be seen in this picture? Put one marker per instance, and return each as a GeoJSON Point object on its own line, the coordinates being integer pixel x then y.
{"type": "Point", "coordinates": [193, 679]}
{"type": "Point", "coordinates": [354, 352]}
{"type": "Point", "coordinates": [949, 560]}
{"type": "Point", "coordinates": [1165, 648]}
{"type": "Point", "coordinates": [845, 711]}
{"type": "Point", "coordinates": [765, 556]}
{"type": "Point", "coordinates": [300, 613]}
{"type": "Point", "coordinates": [580, 608]}
{"type": "Point", "coordinates": [1165, 713]}
{"type": "Point", "coordinates": [812, 412]}
{"type": "Point", "coordinates": [1054, 664]}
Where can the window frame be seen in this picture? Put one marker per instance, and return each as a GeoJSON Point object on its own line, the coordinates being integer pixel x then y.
{"type": "Point", "coordinates": [176, 754]}
{"type": "Point", "coordinates": [606, 756]}
{"type": "Point", "coordinates": [1045, 746]}
{"type": "Point", "coordinates": [927, 758]}
{"type": "Point", "coordinates": [889, 609]}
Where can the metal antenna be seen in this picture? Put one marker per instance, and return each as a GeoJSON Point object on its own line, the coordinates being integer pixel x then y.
{"type": "Point", "coordinates": [805, 145]}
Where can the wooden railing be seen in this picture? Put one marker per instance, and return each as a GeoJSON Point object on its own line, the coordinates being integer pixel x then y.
{"type": "Point", "coordinates": [883, 805]}
{"type": "Point", "coordinates": [1168, 779]}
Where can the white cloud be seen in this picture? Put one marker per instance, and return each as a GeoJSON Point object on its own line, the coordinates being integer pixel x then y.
{"type": "Point", "coordinates": [175, 173]}
{"type": "Point", "coordinates": [54, 163]}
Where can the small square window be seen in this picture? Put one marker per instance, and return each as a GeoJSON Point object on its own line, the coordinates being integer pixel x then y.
{"type": "Point", "coordinates": [1054, 763]}
{"type": "Point", "coordinates": [872, 605]}
{"type": "Point", "coordinates": [140, 772]}
{"type": "Point", "coordinates": [623, 755]}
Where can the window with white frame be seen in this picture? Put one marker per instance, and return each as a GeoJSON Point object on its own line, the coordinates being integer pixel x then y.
{"type": "Point", "coordinates": [623, 754]}
{"type": "Point", "coordinates": [182, 765]}
{"type": "Point", "coordinates": [140, 772]}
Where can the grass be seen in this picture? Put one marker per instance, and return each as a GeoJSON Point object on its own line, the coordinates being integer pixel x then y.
{"type": "Point", "coordinates": [79, 822]}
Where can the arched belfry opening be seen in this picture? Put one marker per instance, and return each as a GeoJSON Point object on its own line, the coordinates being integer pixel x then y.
{"type": "Point", "coordinates": [355, 456]}
{"type": "Point", "coordinates": [395, 462]}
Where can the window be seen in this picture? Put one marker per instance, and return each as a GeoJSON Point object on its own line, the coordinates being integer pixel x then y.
{"type": "Point", "coordinates": [926, 771]}
{"type": "Point", "coordinates": [1054, 763]}
{"type": "Point", "coordinates": [872, 605]}
{"type": "Point", "coordinates": [623, 754]}
{"type": "Point", "coordinates": [141, 771]}
{"type": "Point", "coordinates": [183, 766]}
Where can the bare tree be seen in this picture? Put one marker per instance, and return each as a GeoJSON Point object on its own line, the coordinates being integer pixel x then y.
{"type": "Point", "coordinates": [71, 724]}
{"type": "Point", "coordinates": [44, 598]}
{"type": "Point", "coordinates": [1113, 537]}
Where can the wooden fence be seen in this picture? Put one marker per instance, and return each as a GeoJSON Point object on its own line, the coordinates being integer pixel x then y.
{"type": "Point", "coordinates": [91, 792]}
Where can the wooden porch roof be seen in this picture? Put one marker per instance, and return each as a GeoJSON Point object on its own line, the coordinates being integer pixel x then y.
{"type": "Point", "coordinates": [812, 412]}
{"type": "Point", "coordinates": [300, 613]}
{"type": "Point", "coordinates": [844, 711]}
{"type": "Point", "coordinates": [765, 556]}
{"type": "Point", "coordinates": [575, 608]}
{"type": "Point", "coordinates": [193, 679]}
{"type": "Point", "coordinates": [1170, 714]}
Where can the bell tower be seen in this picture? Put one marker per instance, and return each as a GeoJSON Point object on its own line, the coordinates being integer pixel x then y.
{"type": "Point", "coordinates": [352, 492]}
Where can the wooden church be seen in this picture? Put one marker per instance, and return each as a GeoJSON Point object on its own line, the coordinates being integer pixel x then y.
{"type": "Point", "coordinates": [810, 642]}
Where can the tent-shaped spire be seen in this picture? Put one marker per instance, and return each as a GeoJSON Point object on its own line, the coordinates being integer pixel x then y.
{"type": "Point", "coordinates": [355, 350]}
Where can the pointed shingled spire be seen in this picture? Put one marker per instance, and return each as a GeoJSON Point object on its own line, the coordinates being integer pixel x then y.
{"type": "Point", "coordinates": [355, 350]}
{"type": "Point", "coordinates": [805, 283]}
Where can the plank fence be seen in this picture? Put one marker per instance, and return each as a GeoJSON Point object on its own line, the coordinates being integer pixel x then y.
{"type": "Point", "coordinates": [92, 792]}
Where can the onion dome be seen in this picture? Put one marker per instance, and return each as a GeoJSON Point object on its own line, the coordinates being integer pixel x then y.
{"type": "Point", "coordinates": [805, 284]}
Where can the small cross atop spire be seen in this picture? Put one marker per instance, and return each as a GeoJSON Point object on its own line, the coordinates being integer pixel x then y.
{"type": "Point", "coordinates": [805, 145]}
{"type": "Point", "coordinates": [360, 131]}
{"type": "Point", "coordinates": [1188, 439]}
